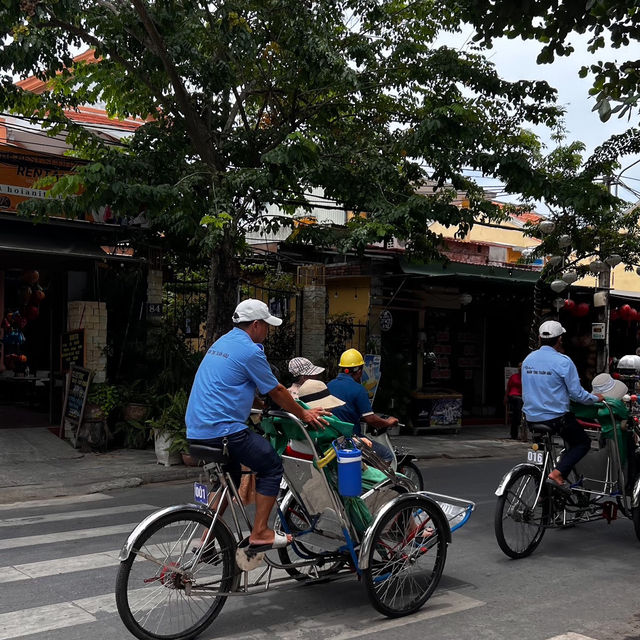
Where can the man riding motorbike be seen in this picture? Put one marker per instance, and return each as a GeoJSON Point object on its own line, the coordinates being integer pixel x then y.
{"type": "Point", "coordinates": [346, 386]}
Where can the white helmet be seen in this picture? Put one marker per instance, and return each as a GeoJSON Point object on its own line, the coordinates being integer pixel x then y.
{"type": "Point", "coordinates": [629, 363]}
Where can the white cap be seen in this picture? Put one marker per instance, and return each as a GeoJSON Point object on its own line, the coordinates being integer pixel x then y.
{"type": "Point", "coordinates": [551, 329]}
{"type": "Point", "coordinates": [303, 367]}
{"type": "Point", "coordinates": [250, 310]}
{"type": "Point", "coordinates": [603, 383]}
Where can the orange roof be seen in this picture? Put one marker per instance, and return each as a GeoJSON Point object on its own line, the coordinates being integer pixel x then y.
{"type": "Point", "coordinates": [528, 217]}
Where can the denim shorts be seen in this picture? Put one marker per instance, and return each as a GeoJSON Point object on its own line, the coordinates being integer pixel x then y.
{"type": "Point", "coordinates": [251, 450]}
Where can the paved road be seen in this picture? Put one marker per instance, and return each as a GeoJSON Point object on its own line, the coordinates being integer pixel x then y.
{"type": "Point", "coordinates": [58, 562]}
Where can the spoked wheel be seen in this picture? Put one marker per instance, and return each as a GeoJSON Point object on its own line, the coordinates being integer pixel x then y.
{"type": "Point", "coordinates": [519, 521]}
{"type": "Point", "coordinates": [411, 471]}
{"type": "Point", "coordinates": [160, 592]}
{"type": "Point", "coordinates": [407, 556]}
{"type": "Point", "coordinates": [302, 550]}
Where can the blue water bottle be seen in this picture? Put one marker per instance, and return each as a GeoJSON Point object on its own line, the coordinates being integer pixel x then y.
{"type": "Point", "coordinates": [349, 469]}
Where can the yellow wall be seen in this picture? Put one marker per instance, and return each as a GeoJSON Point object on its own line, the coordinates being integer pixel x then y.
{"type": "Point", "coordinates": [350, 295]}
{"type": "Point", "coordinates": [505, 235]}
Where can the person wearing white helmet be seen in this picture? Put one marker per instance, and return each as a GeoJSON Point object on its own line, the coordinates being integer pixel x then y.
{"type": "Point", "coordinates": [220, 403]}
{"type": "Point", "coordinates": [549, 382]}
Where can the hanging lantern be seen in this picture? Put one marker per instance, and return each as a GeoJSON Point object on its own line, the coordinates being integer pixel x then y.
{"type": "Point", "coordinates": [564, 240]}
{"type": "Point", "coordinates": [581, 310]}
{"type": "Point", "coordinates": [554, 261]}
{"type": "Point", "coordinates": [597, 266]}
{"type": "Point", "coordinates": [558, 286]}
{"type": "Point", "coordinates": [625, 311]}
{"type": "Point", "coordinates": [633, 316]}
{"type": "Point", "coordinates": [570, 277]}
{"type": "Point", "coordinates": [547, 226]}
{"type": "Point", "coordinates": [569, 305]}
{"type": "Point", "coordinates": [613, 259]}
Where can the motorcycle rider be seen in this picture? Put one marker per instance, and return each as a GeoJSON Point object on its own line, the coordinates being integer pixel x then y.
{"type": "Point", "coordinates": [346, 386]}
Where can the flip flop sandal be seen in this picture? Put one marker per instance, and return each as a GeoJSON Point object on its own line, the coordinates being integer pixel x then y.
{"type": "Point", "coordinates": [279, 542]}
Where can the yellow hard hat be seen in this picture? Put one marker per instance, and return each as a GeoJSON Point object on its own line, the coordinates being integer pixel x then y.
{"type": "Point", "coordinates": [351, 358]}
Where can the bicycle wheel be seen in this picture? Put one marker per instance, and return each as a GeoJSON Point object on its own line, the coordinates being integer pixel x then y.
{"type": "Point", "coordinates": [297, 520]}
{"type": "Point", "coordinates": [411, 471]}
{"type": "Point", "coordinates": [519, 521]}
{"type": "Point", "coordinates": [408, 552]}
{"type": "Point", "coordinates": [160, 593]}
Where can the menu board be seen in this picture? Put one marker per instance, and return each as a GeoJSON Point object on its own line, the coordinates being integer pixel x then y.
{"type": "Point", "coordinates": [75, 399]}
{"type": "Point", "coordinates": [71, 349]}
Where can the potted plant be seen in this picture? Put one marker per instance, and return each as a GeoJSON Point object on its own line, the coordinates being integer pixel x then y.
{"type": "Point", "coordinates": [169, 430]}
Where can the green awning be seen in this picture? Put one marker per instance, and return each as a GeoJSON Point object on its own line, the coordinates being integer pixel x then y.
{"type": "Point", "coordinates": [473, 271]}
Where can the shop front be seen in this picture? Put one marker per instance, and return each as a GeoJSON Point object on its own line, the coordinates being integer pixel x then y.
{"type": "Point", "coordinates": [456, 329]}
{"type": "Point", "coordinates": [49, 279]}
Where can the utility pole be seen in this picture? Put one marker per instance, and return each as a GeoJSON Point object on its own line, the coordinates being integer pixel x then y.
{"type": "Point", "coordinates": [604, 288]}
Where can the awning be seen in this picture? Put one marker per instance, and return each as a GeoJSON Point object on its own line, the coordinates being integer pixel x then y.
{"type": "Point", "coordinates": [470, 271]}
{"type": "Point", "coordinates": [46, 241]}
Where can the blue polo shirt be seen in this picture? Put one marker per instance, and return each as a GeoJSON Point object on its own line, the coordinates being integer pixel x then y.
{"type": "Point", "coordinates": [356, 399]}
{"type": "Point", "coordinates": [549, 381]}
{"type": "Point", "coordinates": [225, 384]}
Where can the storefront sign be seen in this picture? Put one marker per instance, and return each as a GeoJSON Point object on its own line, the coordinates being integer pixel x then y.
{"type": "Point", "coordinates": [75, 399]}
{"type": "Point", "coordinates": [71, 349]}
{"type": "Point", "coordinates": [386, 320]}
{"type": "Point", "coordinates": [597, 331]}
{"type": "Point", "coordinates": [371, 374]}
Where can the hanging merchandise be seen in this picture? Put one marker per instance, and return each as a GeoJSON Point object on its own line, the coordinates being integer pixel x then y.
{"type": "Point", "coordinates": [581, 310]}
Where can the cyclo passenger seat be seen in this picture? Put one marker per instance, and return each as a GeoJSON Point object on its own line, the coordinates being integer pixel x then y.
{"type": "Point", "coordinates": [207, 454]}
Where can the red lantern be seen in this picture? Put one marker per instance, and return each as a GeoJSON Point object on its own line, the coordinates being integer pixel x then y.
{"type": "Point", "coordinates": [633, 316]}
{"type": "Point", "coordinates": [31, 312]}
{"type": "Point", "coordinates": [37, 297]}
{"type": "Point", "coordinates": [31, 276]}
{"type": "Point", "coordinates": [581, 310]}
{"type": "Point", "coordinates": [625, 309]}
{"type": "Point", "coordinates": [569, 305]}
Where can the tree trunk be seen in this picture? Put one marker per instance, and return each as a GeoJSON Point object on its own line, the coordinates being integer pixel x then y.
{"type": "Point", "coordinates": [224, 274]}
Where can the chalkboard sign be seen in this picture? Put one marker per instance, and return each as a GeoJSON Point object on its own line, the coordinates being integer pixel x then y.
{"type": "Point", "coordinates": [75, 399]}
{"type": "Point", "coordinates": [71, 349]}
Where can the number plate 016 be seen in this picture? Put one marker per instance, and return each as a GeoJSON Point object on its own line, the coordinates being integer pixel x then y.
{"type": "Point", "coordinates": [537, 457]}
{"type": "Point", "coordinates": [200, 492]}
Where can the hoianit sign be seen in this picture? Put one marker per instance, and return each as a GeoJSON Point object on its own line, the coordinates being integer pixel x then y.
{"type": "Point", "coordinates": [21, 169]}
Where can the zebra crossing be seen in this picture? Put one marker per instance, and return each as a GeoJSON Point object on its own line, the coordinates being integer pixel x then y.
{"type": "Point", "coordinates": [58, 561]}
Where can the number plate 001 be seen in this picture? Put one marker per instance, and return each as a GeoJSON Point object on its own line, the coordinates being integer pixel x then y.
{"type": "Point", "coordinates": [537, 457]}
{"type": "Point", "coordinates": [200, 492]}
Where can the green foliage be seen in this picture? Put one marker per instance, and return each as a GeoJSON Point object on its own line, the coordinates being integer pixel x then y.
{"type": "Point", "coordinates": [170, 422]}
{"type": "Point", "coordinates": [338, 333]}
{"type": "Point", "coordinates": [134, 434]}
{"type": "Point", "coordinates": [106, 396]}
{"type": "Point", "coordinates": [553, 22]}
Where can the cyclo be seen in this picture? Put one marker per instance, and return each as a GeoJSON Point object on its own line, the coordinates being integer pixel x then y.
{"type": "Point", "coordinates": [603, 484]}
{"type": "Point", "coordinates": [181, 563]}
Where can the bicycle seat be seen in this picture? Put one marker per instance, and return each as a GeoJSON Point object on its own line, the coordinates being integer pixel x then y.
{"type": "Point", "coordinates": [538, 427]}
{"type": "Point", "coordinates": [208, 454]}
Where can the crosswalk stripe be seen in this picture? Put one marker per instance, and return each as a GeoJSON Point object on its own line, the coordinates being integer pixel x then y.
{"type": "Point", "coordinates": [65, 536]}
{"type": "Point", "coordinates": [59, 566]}
{"type": "Point", "coordinates": [341, 625]}
{"type": "Point", "coordinates": [53, 502]}
{"type": "Point", "coordinates": [42, 619]}
{"type": "Point", "coordinates": [72, 515]}
{"type": "Point", "coordinates": [67, 614]}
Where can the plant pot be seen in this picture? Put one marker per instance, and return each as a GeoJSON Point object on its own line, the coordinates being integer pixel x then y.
{"type": "Point", "coordinates": [135, 411]}
{"type": "Point", "coordinates": [163, 456]}
{"type": "Point", "coordinates": [188, 460]}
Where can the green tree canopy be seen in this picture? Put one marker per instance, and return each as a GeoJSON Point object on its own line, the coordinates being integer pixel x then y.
{"type": "Point", "coordinates": [253, 103]}
{"type": "Point", "coordinates": [616, 85]}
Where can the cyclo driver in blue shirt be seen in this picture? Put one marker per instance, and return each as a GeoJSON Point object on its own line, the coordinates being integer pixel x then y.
{"type": "Point", "coordinates": [549, 381]}
{"type": "Point", "coordinates": [220, 403]}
